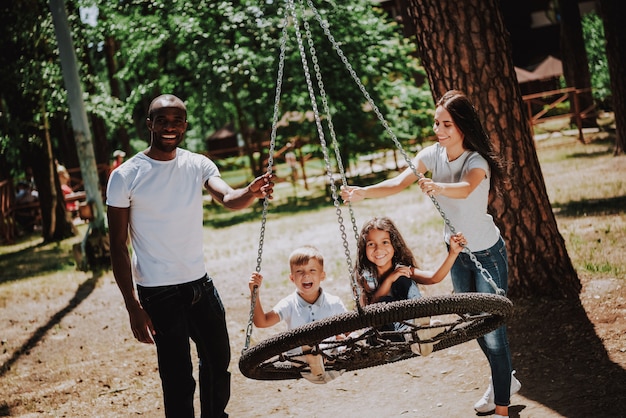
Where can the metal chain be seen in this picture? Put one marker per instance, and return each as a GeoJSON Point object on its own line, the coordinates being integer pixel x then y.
{"type": "Point", "coordinates": [270, 162]}
{"type": "Point", "coordinates": [335, 144]}
{"type": "Point", "coordinates": [486, 275]}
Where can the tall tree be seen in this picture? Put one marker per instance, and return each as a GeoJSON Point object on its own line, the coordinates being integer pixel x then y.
{"type": "Point", "coordinates": [464, 45]}
{"type": "Point", "coordinates": [82, 134]}
{"type": "Point", "coordinates": [615, 31]}
{"type": "Point", "coordinates": [574, 58]}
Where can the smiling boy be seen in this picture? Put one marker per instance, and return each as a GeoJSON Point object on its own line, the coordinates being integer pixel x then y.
{"type": "Point", "coordinates": [308, 303]}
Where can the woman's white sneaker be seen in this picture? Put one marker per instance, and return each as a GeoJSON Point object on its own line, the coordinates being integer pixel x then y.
{"type": "Point", "coordinates": [487, 404]}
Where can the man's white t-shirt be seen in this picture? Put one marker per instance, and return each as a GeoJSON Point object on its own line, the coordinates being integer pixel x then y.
{"type": "Point", "coordinates": [468, 215]}
{"type": "Point", "coordinates": [166, 215]}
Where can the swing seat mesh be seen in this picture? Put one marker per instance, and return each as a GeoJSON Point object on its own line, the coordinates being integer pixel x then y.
{"type": "Point", "coordinates": [461, 317]}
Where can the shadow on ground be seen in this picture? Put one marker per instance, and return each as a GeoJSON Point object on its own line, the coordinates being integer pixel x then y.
{"type": "Point", "coordinates": [595, 207]}
{"type": "Point", "coordinates": [34, 260]}
{"type": "Point", "coordinates": [82, 293]}
{"type": "Point", "coordinates": [561, 361]}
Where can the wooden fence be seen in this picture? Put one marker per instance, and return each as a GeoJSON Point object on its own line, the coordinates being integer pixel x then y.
{"type": "Point", "coordinates": [539, 105]}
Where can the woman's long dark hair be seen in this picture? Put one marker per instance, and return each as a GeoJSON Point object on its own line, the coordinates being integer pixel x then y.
{"type": "Point", "coordinates": [466, 118]}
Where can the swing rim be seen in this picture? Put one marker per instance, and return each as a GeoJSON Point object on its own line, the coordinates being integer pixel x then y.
{"type": "Point", "coordinates": [265, 360]}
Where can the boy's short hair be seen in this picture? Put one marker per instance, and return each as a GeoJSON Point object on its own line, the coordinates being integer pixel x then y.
{"type": "Point", "coordinates": [302, 255]}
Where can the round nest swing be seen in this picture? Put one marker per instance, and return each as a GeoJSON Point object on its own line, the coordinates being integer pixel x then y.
{"type": "Point", "coordinates": [366, 346]}
{"type": "Point", "coordinates": [359, 339]}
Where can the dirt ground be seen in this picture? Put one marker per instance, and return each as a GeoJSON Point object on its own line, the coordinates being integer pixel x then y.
{"type": "Point", "coordinates": [67, 349]}
{"type": "Point", "coordinates": [84, 363]}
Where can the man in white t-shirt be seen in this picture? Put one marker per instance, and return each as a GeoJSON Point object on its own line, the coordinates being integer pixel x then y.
{"type": "Point", "coordinates": [155, 198]}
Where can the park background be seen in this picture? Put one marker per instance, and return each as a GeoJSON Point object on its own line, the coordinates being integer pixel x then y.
{"type": "Point", "coordinates": [228, 77]}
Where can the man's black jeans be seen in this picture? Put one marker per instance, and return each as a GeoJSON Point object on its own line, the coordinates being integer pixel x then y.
{"type": "Point", "coordinates": [194, 311]}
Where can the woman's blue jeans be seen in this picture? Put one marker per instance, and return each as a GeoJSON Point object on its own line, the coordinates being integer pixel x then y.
{"type": "Point", "coordinates": [194, 311]}
{"type": "Point", "coordinates": [467, 277]}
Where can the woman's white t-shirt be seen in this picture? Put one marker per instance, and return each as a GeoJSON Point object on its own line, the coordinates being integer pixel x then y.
{"type": "Point", "coordinates": [468, 215]}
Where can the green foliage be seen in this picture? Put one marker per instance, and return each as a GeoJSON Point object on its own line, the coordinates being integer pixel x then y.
{"type": "Point", "coordinates": [219, 56]}
{"type": "Point", "coordinates": [222, 58]}
{"type": "Point", "coordinates": [32, 92]}
{"type": "Point", "coordinates": [559, 109]}
{"type": "Point", "coordinates": [595, 44]}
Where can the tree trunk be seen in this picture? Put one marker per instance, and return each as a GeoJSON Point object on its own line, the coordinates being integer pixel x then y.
{"type": "Point", "coordinates": [575, 63]}
{"type": "Point", "coordinates": [613, 13]}
{"type": "Point", "coordinates": [84, 145]}
{"type": "Point", "coordinates": [54, 221]}
{"type": "Point", "coordinates": [82, 134]}
{"type": "Point", "coordinates": [244, 130]}
{"type": "Point", "coordinates": [464, 45]}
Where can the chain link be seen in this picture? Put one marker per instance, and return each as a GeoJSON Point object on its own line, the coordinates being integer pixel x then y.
{"type": "Point", "coordinates": [340, 167]}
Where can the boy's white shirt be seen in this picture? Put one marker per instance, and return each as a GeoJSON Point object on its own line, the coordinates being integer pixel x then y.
{"type": "Point", "coordinates": [295, 311]}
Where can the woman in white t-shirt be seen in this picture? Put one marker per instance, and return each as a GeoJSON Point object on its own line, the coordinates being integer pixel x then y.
{"type": "Point", "coordinates": [464, 167]}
